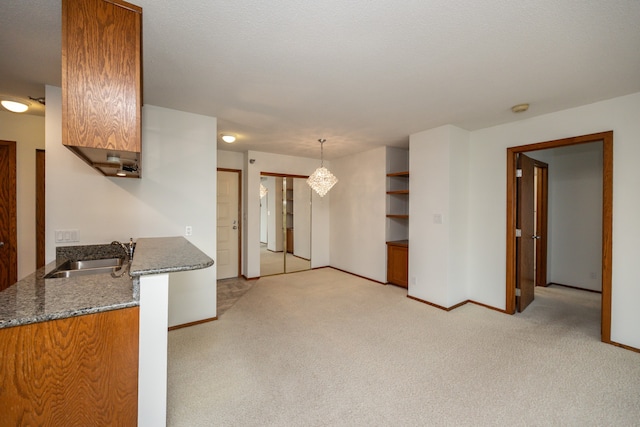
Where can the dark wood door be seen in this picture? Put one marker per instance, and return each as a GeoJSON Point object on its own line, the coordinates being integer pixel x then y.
{"type": "Point", "coordinates": [40, 212]}
{"type": "Point", "coordinates": [8, 230]}
{"type": "Point", "coordinates": [525, 244]}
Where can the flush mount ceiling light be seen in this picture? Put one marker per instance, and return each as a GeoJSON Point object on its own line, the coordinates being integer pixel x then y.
{"type": "Point", "coordinates": [322, 180]}
{"type": "Point", "coordinates": [121, 172]}
{"type": "Point", "coordinates": [113, 158]}
{"type": "Point", "coordinates": [520, 108]}
{"type": "Point", "coordinates": [14, 106]}
{"type": "Point", "coordinates": [228, 138]}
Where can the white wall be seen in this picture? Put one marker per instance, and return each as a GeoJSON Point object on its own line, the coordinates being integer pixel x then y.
{"type": "Point", "coordinates": [231, 160]}
{"type": "Point", "coordinates": [28, 133]}
{"type": "Point", "coordinates": [178, 188]}
{"type": "Point", "coordinates": [267, 162]}
{"type": "Point", "coordinates": [438, 215]}
{"type": "Point", "coordinates": [487, 202]}
{"type": "Point", "coordinates": [358, 216]}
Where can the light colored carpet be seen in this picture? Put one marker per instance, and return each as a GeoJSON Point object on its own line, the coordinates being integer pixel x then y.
{"type": "Point", "coordinates": [324, 348]}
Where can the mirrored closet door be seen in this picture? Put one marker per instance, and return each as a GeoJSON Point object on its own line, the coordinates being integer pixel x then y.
{"type": "Point", "coordinates": [285, 224]}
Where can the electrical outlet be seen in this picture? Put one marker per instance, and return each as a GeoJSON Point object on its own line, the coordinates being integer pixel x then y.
{"type": "Point", "coordinates": [188, 231]}
{"type": "Point", "coordinates": [67, 236]}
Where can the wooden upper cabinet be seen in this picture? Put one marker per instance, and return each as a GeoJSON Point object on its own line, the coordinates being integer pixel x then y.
{"type": "Point", "coordinates": [102, 82]}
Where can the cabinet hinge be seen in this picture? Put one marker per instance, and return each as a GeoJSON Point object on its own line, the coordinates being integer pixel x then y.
{"type": "Point", "coordinates": [517, 292]}
{"type": "Point", "coordinates": [518, 232]}
{"type": "Point", "coordinates": [518, 173]}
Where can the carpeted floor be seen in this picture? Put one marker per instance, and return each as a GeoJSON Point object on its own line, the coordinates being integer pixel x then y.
{"type": "Point", "coordinates": [324, 348]}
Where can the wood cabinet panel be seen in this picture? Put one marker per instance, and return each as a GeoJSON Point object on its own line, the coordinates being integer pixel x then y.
{"type": "Point", "coordinates": [398, 263]}
{"type": "Point", "coordinates": [75, 371]}
{"type": "Point", "coordinates": [101, 78]}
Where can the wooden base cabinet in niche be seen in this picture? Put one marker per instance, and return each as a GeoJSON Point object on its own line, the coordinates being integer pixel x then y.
{"type": "Point", "coordinates": [398, 263]}
{"type": "Point", "coordinates": [102, 83]}
{"type": "Point", "coordinates": [78, 371]}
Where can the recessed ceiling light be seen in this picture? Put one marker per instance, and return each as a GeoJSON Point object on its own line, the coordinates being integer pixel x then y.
{"type": "Point", "coordinates": [14, 106]}
{"type": "Point", "coordinates": [520, 108]}
{"type": "Point", "coordinates": [228, 138]}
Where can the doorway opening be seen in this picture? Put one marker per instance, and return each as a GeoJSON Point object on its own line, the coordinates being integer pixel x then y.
{"type": "Point", "coordinates": [606, 138]}
{"type": "Point", "coordinates": [8, 215]}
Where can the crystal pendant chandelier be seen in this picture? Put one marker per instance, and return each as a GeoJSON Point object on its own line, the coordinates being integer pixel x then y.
{"type": "Point", "coordinates": [322, 179]}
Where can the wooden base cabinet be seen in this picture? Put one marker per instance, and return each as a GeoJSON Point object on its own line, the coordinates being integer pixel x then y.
{"type": "Point", "coordinates": [78, 371]}
{"type": "Point", "coordinates": [398, 263]}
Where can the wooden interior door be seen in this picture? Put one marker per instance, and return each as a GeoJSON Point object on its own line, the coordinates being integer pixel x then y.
{"type": "Point", "coordinates": [525, 245]}
{"type": "Point", "coordinates": [228, 225]}
{"type": "Point", "coordinates": [8, 219]}
{"type": "Point", "coordinates": [40, 210]}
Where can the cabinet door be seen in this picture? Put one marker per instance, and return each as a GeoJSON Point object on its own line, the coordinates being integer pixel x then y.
{"type": "Point", "coordinates": [398, 265]}
{"type": "Point", "coordinates": [76, 371]}
{"type": "Point", "coordinates": [101, 74]}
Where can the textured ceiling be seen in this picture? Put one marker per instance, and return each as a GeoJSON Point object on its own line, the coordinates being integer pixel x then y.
{"type": "Point", "coordinates": [365, 73]}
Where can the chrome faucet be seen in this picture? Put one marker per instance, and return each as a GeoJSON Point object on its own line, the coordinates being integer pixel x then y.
{"type": "Point", "coordinates": [128, 249]}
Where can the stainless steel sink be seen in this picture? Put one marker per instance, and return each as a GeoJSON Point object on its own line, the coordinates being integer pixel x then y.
{"type": "Point", "coordinates": [81, 268]}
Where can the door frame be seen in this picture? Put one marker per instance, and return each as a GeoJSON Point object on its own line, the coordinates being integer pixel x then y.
{"type": "Point", "coordinates": [239, 172]}
{"type": "Point", "coordinates": [607, 219]}
{"type": "Point", "coordinates": [13, 217]}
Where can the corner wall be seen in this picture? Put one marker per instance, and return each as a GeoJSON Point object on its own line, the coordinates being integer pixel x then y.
{"type": "Point", "coordinates": [358, 214]}
{"type": "Point", "coordinates": [438, 215]}
{"type": "Point", "coordinates": [178, 188]}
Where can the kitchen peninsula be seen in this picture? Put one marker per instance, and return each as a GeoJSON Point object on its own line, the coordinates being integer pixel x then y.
{"type": "Point", "coordinates": [92, 347]}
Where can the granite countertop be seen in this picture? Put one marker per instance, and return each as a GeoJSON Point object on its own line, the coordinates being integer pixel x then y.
{"type": "Point", "coordinates": [35, 299]}
{"type": "Point", "coordinates": [157, 255]}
